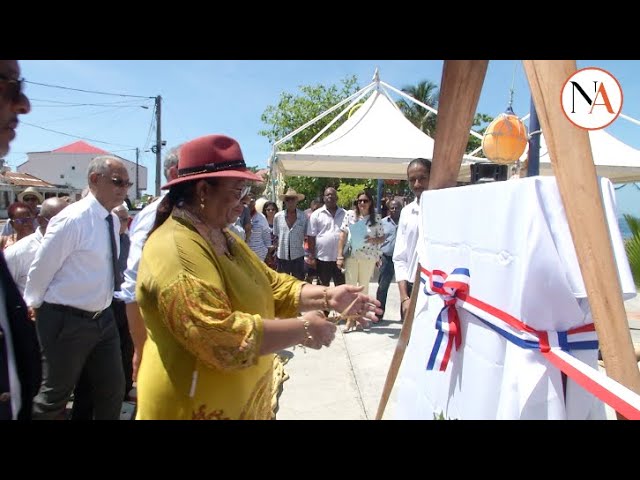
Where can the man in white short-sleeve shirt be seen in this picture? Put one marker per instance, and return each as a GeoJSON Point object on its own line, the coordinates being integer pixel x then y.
{"type": "Point", "coordinates": [323, 233]}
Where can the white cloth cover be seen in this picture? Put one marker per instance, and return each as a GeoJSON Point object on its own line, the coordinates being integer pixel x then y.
{"type": "Point", "coordinates": [515, 240]}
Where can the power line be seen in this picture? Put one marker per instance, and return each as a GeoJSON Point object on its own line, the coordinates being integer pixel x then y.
{"type": "Point", "coordinates": [124, 105]}
{"type": "Point", "coordinates": [151, 125]}
{"type": "Point", "coordinates": [88, 114]}
{"type": "Point", "coordinates": [85, 91]}
{"type": "Point", "coordinates": [61, 104]}
{"type": "Point", "coordinates": [75, 136]}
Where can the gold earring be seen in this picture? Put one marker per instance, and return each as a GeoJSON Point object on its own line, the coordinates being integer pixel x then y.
{"type": "Point", "coordinates": [202, 203]}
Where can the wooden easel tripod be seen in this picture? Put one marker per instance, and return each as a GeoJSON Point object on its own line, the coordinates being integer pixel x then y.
{"type": "Point", "coordinates": [572, 162]}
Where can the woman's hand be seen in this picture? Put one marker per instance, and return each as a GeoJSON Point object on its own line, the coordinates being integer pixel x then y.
{"type": "Point", "coordinates": [349, 297]}
{"type": "Point", "coordinates": [321, 330]}
{"type": "Point", "coordinates": [340, 263]}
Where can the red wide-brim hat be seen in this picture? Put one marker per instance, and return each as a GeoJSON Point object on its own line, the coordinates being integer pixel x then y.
{"type": "Point", "coordinates": [211, 156]}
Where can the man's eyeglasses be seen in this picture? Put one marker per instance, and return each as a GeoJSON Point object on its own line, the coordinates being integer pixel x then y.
{"type": "Point", "coordinates": [290, 199]}
{"type": "Point", "coordinates": [119, 182]}
{"type": "Point", "coordinates": [15, 87]}
{"type": "Point", "coordinates": [23, 221]}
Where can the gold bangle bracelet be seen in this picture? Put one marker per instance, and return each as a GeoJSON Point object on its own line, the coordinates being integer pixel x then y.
{"type": "Point", "coordinates": [325, 294]}
{"type": "Point", "coordinates": [307, 335]}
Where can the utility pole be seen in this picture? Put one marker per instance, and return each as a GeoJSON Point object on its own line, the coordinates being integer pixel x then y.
{"type": "Point", "coordinates": [158, 151]}
{"type": "Point", "coordinates": [137, 174]}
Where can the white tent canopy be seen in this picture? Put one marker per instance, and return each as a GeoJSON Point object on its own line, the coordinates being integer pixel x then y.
{"type": "Point", "coordinates": [377, 141]}
{"type": "Point", "coordinates": [613, 159]}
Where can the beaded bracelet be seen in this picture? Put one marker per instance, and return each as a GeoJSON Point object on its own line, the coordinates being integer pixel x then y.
{"type": "Point", "coordinates": [325, 294]}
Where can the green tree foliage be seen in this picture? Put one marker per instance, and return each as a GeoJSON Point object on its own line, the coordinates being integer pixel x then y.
{"type": "Point", "coordinates": [348, 193]}
{"type": "Point", "coordinates": [483, 120]}
{"type": "Point", "coordinates": [293, 111]}
{"type": "Point", "coordinates": [632, 247]}
{"type": "Point", "coordinates": [428, 93]}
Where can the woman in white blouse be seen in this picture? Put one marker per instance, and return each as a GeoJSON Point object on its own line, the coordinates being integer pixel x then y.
{"type": "Point", "coordinates": [365, 252]}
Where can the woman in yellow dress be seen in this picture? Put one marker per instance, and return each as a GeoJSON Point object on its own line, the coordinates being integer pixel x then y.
{"type": "Point", "coordinates": [215, 314]}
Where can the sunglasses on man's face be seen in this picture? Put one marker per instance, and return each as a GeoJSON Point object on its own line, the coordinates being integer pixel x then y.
{"type": "Point", "coordinates": [119, 182]}
{"type": "Point", "coordinates": [30, 199]}
{"type": "Point", "coordinates": [23, 221]}
{"type": "Point", "coordinates": [15, 87]}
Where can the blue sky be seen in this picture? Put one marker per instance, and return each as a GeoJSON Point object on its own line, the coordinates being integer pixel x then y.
{"type": "Point", "coordinates": [227, 96]}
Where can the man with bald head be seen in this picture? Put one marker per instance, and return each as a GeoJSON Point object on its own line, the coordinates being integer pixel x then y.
{"type": "Point", "coordinates": [21, 254]}
{"type": "Point", "coordinates": [70, 286]}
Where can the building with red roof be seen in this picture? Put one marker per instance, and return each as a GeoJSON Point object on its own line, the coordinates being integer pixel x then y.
{"type": "Point", "coordinates": [67, 166]}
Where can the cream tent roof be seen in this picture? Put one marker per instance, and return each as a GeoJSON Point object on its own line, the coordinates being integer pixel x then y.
{"type": "Point", "coordinates": [377, 141]}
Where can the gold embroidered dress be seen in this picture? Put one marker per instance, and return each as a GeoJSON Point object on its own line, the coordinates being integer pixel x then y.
{"type": "Point", "coordinates": [203, 314]}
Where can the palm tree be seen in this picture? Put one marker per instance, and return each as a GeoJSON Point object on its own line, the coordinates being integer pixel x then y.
{"type": "Point", "coordinates": [426, 92]}
{"type": "Point", "coordinates": [632, 247]}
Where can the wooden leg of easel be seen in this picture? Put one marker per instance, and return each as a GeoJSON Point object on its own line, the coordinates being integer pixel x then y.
{"type": "Point", "coordinates": [459, 94]}
{"type": "Point", "coordinates": [398, 354]}
{"type": "Point", "coordinates": [572, 161]}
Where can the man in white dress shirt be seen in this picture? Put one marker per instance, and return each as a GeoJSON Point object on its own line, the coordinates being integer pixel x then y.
{"type": "Point", "coordinates": [70, 285]}
{"type": "Point", "coordinates": [21, 254]}
{"type": "Point", "coordinates": [138, 232]}
{"type": "Point", "coordinates": [405, 257]}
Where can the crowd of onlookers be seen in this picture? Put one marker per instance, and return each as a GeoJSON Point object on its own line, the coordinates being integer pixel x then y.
{"type": "Point", "coordinates": [311, 245]}
{"type": "Point", "coordinates": [91, 302]}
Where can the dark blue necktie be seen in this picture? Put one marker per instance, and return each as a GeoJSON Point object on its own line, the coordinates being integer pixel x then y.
{"type": "Point", "coordinates": [114, 255]}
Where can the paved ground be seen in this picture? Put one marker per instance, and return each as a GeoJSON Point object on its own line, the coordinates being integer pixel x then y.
{"type": "Point", "coordinates": [345, 381]}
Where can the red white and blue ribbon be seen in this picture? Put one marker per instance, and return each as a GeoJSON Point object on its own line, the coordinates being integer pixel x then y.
{"type": "Point", "coordinates": [554, 346]}
{"type": "Point", "coordinates": [450, 288]}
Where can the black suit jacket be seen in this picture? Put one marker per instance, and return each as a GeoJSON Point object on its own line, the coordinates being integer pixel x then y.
{"type": "Point", "coordinates": [25, 343]}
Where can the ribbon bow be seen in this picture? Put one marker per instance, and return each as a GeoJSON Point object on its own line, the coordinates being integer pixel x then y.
{"type": "Point", "coordinates": [451, 288]}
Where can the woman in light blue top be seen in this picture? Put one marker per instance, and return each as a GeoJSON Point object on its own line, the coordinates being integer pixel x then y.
{"type": "Point", "coordinates": [362, 228]}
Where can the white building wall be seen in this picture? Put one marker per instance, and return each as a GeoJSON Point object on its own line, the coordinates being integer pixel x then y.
{"type": "Point", "coordinates": [71, 169]}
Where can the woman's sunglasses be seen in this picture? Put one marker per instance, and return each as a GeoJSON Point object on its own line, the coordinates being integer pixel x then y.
{"type": "Point", "coordinates": [15, 87]}
{"type": "Point", "coordinates": [363, 200]}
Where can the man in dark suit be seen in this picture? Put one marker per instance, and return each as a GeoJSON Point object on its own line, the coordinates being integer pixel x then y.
{"type": "Point", "coordinates": [20, 361]}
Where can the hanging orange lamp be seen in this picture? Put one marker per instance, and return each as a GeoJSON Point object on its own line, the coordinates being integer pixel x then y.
{"type": "Point", "coordinates": [505, 138]}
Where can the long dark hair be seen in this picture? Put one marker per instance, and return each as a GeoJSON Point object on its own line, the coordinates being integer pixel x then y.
{"type": "Point", "coordinates": [267, 205]}
{"type": "Point", "coordinates": [184, 192]}
{"type": "Point", "coordinates": [372, 209]}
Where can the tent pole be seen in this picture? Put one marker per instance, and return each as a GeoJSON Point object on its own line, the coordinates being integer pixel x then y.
{"type": "Point", "coordinates": [379, 199]}
{"type": "Point", "coordinates": [322, 115]}
{"type": "Point", "coordinates": [336, 118]}
{"type": "Point", "coordinates": [424, 105]}
{"type": "Point", "coordinates": [533, 168]}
